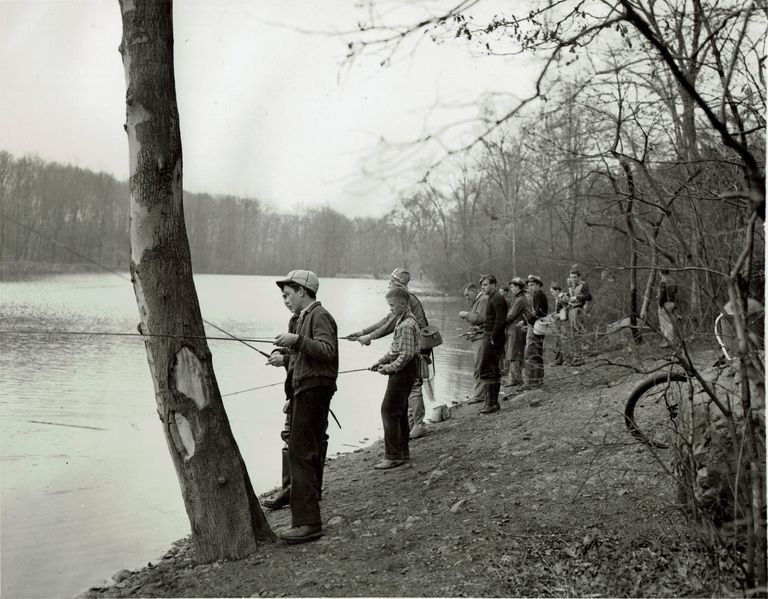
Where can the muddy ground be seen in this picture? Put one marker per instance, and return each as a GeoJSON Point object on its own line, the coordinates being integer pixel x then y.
{"type": "Point", "coordinates": [549, 497]}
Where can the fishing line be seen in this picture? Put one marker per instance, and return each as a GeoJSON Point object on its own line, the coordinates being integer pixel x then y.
{"type": "Point", "coordinates": [117, 274]}
{"type": "Point", "coordinates": [108, 334]}
{"type": "Point", "coordinates": [282, 383]}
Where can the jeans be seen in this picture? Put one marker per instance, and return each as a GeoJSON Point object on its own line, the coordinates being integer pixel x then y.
{"type": "Point", "coordinates": [394, 411]}
{"type": "Point", "coordinates": [285, 435]}
{"type": "Point", "coordinates": [489, 365]}
{"type": "Point", "coordinates": [309, 421]}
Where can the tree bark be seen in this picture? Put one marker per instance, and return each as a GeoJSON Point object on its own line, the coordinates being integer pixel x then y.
{"type": "Point", "coordinates": [225, 516]}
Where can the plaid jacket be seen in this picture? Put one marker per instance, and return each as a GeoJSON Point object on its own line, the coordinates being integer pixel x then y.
{"type": "Point", "coordinates": [405, 345]}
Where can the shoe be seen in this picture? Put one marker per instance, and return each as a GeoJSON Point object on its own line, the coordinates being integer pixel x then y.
{"type": "Point", "coordinates": [577, 363]}
{"type": "Point", "coordinates": [491, 399]}
{"type": "Point", "coordinates": [387, 464]}
{"type": "Point", "coordinates": [301, 534]}
{"type": "Point", "coordinates": [282, 499]}
{"type": "Point", "coordinates": [417, 431]}
{"type": "Point", "coordinates": [475, 400]}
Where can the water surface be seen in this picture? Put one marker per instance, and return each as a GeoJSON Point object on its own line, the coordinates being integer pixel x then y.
{"type": "Point", "coordinates": [87, 486]}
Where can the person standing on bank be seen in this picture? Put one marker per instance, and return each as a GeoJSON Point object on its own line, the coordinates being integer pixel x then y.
{"type": "Point", "coordinates": [313, 359]}
{"type": "Point", "coordinates": [516, 330]}
{"type": "Point", "coordinates": [401, 364]}
{"type": "Point", "coordinates": [579, 297]}
{"type": "Point", "coordinates": [281, 358]}
{"type": "Point", "coordinates": [534, 344]}
{"type": "Point", "coordinates": [559, 319]}
{"type": "Point", "coordinates": [416, 410]}
{"type": "Point", "coordinates": [667, 304]}
{"type": "Point", "coordinates": [475, 316]}
{"type": "Point", "coordinates": [493, 344]}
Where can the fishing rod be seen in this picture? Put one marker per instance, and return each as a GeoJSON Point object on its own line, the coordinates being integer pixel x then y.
{"type": "Point", "coordinates": [108, 334]}
{"type": "Point", "coordinates": [282, 383]}
{"type": "Point", "coordinates": [117, 274]}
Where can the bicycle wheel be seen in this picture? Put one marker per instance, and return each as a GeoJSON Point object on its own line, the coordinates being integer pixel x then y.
{"type": "Point", "coordinates": [651, 410]}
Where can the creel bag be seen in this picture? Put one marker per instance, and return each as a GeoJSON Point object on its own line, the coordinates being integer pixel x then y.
{"type": "Point", "coordinates": [430, 337]}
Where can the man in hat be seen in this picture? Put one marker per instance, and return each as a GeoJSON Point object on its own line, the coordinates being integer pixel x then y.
{"type": "Point", "coordinates": [534, 344]}
{"type": "Point", "coordinates": [416, 410]}
{"type": "Point", "coordinates": [311, 354]}
{"type": "Point", "coordinates": [475, 316]}
{"type": "Point", "coordinates": [516, 330]}
{"type": "Point", "coordinates": [493, 344]}
{"type": "Point", "coordinates": [579, 299]}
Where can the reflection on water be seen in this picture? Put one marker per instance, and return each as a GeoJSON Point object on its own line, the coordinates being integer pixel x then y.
{"type": "Point", "coordinates": [86, 481]}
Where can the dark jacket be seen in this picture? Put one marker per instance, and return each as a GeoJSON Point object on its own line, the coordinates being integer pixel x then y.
{"type": "Point", "coordinates": [539, 306]}
{"type": "Point", "coordinates": [314, 360]}
{"type": "Point", "coordinates": [518, 309]}
{"type": "Point", "coordinates": [495, 318]}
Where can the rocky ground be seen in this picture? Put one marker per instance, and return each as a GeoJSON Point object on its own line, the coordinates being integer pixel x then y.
{"type": "Point", "coordinates": [549, 497]}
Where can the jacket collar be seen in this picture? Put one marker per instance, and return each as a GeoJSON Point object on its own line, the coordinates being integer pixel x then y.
{"type": "Point", "coordinates": [309, 308]}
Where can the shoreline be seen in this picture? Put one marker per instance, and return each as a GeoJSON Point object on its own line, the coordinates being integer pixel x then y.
{"type": "Point", "coordinates": [549, 497]}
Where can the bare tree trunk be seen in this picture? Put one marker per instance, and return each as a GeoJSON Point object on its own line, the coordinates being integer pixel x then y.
{"type": "Point", "coordinates": [632, 243]}
{"type": "Point", "coordinates": [223, 510]}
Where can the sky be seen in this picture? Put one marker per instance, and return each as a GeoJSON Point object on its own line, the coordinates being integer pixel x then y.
{"type": "Point", "coordinates": [268, 111]}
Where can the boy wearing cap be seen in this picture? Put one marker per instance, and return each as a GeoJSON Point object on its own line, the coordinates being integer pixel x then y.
{"type": "Point", "coordinates": [311, 355]}
{"type": "Point", "coordinates": [534, 344]}
{"type": "Point", "coordinates": [401, 364]}
{"type": "Point", "coordinates": [282, 498]}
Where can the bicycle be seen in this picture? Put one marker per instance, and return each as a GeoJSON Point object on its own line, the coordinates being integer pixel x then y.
{"type": "Point", "coordinates": [651, 411]}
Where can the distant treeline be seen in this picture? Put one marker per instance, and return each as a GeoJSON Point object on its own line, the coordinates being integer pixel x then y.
{"type": "Point", "coordinates": [81, 215]}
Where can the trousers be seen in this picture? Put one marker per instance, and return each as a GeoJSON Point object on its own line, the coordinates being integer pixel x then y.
{"type": "Point", "coordinates": [489, 366]}
{"type": "Point", "coordinates": [309, 422]}
{"type": "Point", "coordinates": [394, 411]}
{"type": "Point", "coordinates": [285, 434]}
{"type": "Point", "coordinates": [478, 391]}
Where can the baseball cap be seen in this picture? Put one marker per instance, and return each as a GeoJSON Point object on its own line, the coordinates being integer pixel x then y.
{"type": "Point", "coordinates": [401, 276]}
{"type": "Point", "coordinates": [305, 278]}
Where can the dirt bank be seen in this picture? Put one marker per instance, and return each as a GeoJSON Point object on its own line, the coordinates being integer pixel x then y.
{"type": "Point", "coordinates": [550, 497]}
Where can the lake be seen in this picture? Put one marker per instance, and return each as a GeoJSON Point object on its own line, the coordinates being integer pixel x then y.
{"type": "Point", "coordinates": [87, 486]}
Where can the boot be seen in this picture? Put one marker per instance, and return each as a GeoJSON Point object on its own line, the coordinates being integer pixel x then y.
{"type": "Point", "coordinates": [280, 500]}
{"type": "Point", "coordinates": [491, 399]}
{"type": "Point", "coordinates": [558, 359]}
